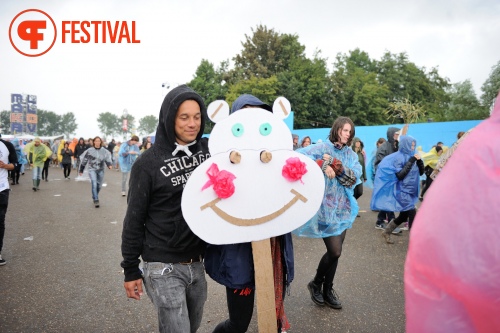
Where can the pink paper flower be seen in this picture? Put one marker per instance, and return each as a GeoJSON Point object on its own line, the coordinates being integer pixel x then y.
{"type": "Point", "coordinates": [222, 181]}
{"type": "Point", "coordinates": [294, 169]}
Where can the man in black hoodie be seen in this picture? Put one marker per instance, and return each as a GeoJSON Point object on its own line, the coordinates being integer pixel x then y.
{"type": "Point", "coordinates": [154, 227]}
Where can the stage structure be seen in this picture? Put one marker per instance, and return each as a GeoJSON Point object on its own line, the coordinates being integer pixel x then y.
{"type": "Point", "coordinates": [23, 116]}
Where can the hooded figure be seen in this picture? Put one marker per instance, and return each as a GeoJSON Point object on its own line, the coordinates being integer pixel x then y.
{"type": "Point", "coordinates": [388, 147]}
{"type": "Point", "coordinates": [390, 193]}
{"type": "Point", "coordinates": [249, 100]}
{"type": "Point", "coordinates": [154, 227]}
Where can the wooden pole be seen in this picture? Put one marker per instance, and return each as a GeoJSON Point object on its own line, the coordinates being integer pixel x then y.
{"type": "Point", "coordinates": [264, 286]}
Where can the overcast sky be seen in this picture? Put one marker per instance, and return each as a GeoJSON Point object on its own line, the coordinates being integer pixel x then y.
{"type": "Point", "coordinates": [460, 37]}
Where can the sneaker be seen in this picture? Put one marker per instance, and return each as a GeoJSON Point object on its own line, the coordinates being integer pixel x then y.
{"type": "Point", "coordinates": [2, 262]}
{"type": "Point", "coordinates": [124, 193]}
{"type": "Point", "coordinates": [405, 226]}
{"type": "Point", "coordinates": [397, 231]}
{"type": "Point", "coordinates": [379, 226]}
{"type": "Point", "coordinates": [96, 203]}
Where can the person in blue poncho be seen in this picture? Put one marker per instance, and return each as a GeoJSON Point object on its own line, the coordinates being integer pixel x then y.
{"type": "Point", "coordinates": [396, 184]}
{"type": "Point", "coordinates": [338, 209]}
{"type": "Point", "coordinates": [21, 161]}
{"type": "Point", "coordinates": [127, 155]}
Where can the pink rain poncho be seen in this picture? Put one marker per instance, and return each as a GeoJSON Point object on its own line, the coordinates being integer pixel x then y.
{"type": "Point", "coordinates": [452, 271]}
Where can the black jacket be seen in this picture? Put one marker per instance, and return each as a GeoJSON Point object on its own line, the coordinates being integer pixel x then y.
{"type": "Point", "coordinates": [388, 147]}
{"type": "Point", "coordinates": [154, 227]}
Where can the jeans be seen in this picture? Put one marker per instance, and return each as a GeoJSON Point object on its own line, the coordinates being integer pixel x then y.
{"type": "Point", "coordinates": [4, 202]}
{"type": "Point", "coordinates": [179, 292]}
{"type": "Point", "coordinates": [96, 177]}
{"type": "Point", "coordinates": [37, 172]}
{"type": "Point", "coordinates": [124, 181]}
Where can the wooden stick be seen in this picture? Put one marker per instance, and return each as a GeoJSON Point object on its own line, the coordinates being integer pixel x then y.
{"type": "Point", "coordinates": [264, 286]}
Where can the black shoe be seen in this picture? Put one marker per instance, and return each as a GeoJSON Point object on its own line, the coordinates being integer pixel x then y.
{"type": "Point", "coordinates": [379, 226]}
{"type": "Point", "coordinates": [330, 297]}
{"type": "Point", "coordinates": [96, 203]}
{"type": "Point", "coordinates": [34, 189]}
{"type": "Point", "coordinates": [2, 261]}
{"type": "Point", "coordinates": [315, 291]}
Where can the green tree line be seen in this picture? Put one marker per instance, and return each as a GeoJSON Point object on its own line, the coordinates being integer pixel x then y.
{"type": "Point", "coordinates": [273, 64]}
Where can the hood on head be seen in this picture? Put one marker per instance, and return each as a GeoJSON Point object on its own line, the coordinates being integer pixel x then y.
{"type": "Point", "coordinates": [356, 139]}
{"type": "Point", "coordinates": [390, 134]}
{"type": "Point", "coordinates": [15, 143]}
{"type": "Point", "coordinates": [405, 144]}
{"type": "Point", "coordinates": [165, 132]}
{"type": "Point", "coordinates": [247, 99]}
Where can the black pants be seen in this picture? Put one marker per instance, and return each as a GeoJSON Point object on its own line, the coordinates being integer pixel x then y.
{"type": "Point", "coordinates": [382, 216]}
{"type": "Point", "coordinates": [45, 170]}
{"type": "Point", "coordinates": [403, 217]}
{"type": "Point", "coordinates": [358, 191]}
{"type": "Point", "coordinates": [4, 202]}
{"type": "Point", "coordinates": [67, 169]}
{"type": "Point", "coordinates": [240, 306]}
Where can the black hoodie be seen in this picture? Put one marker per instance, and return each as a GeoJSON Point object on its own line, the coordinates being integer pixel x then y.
{"type": "Point", "coordinates": [388, 147]}
{"type": "Point", "coordinates": [154, 227]}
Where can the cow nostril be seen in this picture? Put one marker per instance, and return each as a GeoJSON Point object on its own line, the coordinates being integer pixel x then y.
{"type": "Point", "coordinates": [266, 156]}
{"type": "Point", "coordinates": [235, 157]}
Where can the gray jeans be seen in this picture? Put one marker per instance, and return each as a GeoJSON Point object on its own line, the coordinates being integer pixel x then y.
{"type": "Point", "coordinates": [124, 181]}
{"type": "Point", "coordinates": [179, 292]}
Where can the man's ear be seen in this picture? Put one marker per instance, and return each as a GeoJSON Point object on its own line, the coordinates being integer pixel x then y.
{"type": "Point", "coordinates": [218, 110]}
{"type": "Point", "coordinates": [281, 107]}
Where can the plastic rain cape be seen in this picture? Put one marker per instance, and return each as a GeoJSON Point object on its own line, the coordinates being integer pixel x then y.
{"type": "Point", "coordinates": [339, 208]}
{"type": "Point", "coordinates": [85, 174]}
{"type": "Point", "coordinates": [127, 161]}
{"type": "Point", "coordinates": [389, 193]}
{"type": "Point", "coordinates": [431, 158]}
{"type": "Point", "coordinates": [452, 270]}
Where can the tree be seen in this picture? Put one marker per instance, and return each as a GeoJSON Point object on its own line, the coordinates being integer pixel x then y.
{"type": "Point", "coordinates": [307, 85]}
{"type": "Point", "coordinates": [404, 79]}
{"type": "Point", "coordinates": [147, 124]}
{"type": "Point", "coordinates": [209, 82]}
{"type": "Point", "coordinates": [357, 93]}
{"type": "Point", "coordinates": [68, 124]}
{"type": "Point", "coordinates": [5, 121]}
{"type": "Point", "coordinates": [266, 53]}
{"type": "Point", "coordinates": [264, 89]}
{"type": "Point", "coordinates": [464, 105]}
{"type": "Point", "coordinates": [109, 124]}
{"type": "Point", "coordinates": [49, 123]}
{"type": "Point", "coordinates": [491, 87]}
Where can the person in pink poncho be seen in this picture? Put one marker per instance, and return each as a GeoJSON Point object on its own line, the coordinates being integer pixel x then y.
{"type": "Point", "coordinates": [452, 271]}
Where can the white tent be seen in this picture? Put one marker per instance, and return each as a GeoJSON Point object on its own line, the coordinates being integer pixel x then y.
{"type": "Point", "coordinates": [31, 137]}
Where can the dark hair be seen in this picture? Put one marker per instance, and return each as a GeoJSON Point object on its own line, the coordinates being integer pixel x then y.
{"type": "Point", "coordinates": [439, 143]}
{"type": "Point", "coordinates": [459, 135]}
{"type": "Point", "coordinates": [66, 143]}
{"type": "Point", "coordinates": [93, 141]}
{"type": "Point", "coordinates": [438, 149]}
{"type": "Point", "coordinates": [381, 141]}
{"type": "Point", "coordinates": [304, 139]}
{"type": "Point", "coordinates": [338, 124]}
{"type": "Point", "coordinates": [134, 138]}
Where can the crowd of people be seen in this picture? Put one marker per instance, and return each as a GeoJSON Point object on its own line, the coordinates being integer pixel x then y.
{"type": "Point", "coordinates": [164, 258]}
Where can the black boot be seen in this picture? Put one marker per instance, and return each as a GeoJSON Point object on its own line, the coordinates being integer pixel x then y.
{"type": "Point", "coordinates": [315, 290]}
{"type": "Point", "coordinates": [330, 296]}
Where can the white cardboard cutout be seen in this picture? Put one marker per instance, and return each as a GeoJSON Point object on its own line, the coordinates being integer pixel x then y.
{"type": "Point", "coordinates": [262, 197]}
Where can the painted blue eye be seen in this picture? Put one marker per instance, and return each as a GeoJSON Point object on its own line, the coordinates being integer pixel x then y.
{"type": "Point", "coordinates": [265, 129]}
{"type": "Point", "coordinates": [237, 130]}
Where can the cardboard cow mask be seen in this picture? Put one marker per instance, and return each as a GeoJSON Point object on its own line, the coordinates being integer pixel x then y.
{"type": "Point", "coordinates": [254, 186]}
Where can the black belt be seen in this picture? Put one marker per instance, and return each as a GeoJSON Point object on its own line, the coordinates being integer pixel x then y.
{"type": "Point", "coordinates": [197, 259]}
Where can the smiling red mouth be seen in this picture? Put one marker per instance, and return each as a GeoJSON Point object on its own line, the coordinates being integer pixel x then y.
{"type": "Point", "coordinates": [255, 221]}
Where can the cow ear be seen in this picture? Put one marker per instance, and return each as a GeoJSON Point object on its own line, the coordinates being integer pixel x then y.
{"type": "Point", "coordinates": [282, 108]}
{"type": "Point", "coordinates": [218, 110]}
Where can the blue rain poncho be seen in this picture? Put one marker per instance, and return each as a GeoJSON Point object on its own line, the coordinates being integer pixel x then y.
{"type": "Point", "coordinates": [389, 193]}
{"type": "Point", "coordinates": [339, 208]}
{"type": "Point", "coordinates": [21, 158]}
{"type": "Point", "coordinates": [125, 158]}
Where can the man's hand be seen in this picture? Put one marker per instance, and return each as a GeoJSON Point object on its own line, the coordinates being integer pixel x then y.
{"type": "Point", "coordinates": [417, 156]}
{"type": "Point", "coordinates": [110, 167]}
{"type": "Point", "coordinates": [134, 289]}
